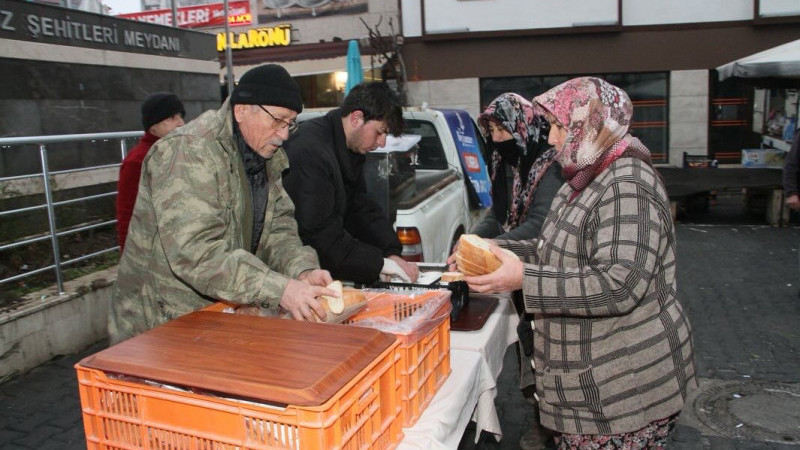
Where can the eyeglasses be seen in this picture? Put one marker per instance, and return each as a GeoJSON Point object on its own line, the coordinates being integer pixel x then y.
{"type": "Point", "coordinates": [280, 124]}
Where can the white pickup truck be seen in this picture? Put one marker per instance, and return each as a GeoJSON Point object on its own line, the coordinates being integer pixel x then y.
{"type": "Point", "coordinates": [432, 181]}
{"type": "Point", "coordinates": [437, 188]}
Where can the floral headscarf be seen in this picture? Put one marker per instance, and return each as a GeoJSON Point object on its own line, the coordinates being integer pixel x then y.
{"type": "Point", "coordinates": [516, 114]}
{"type": "Point", "coordinates": [597, 116]}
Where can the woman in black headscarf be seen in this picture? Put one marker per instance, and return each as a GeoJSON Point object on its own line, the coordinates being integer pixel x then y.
{"type": "Point", "coordinates": [523, 171]}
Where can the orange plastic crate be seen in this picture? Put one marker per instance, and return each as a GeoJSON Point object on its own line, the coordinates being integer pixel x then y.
{"type": "Point", "coordinates": [424, 351]}
{"type": "Point", "coordinates": [120, 414]}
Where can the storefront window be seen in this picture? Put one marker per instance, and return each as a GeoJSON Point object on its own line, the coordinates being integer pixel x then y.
{"type": "Point", "coordinates": [648, 92]}
{"type": "Point", "coordinates": [326, 90]}
{"type": "Point", "coordinates": [744, 116]}
{"type": "Point", "coordinates": [729, 125]}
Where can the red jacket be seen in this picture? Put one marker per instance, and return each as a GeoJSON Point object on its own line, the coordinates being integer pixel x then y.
{"type": "Point", "coordinates": [128, 185]}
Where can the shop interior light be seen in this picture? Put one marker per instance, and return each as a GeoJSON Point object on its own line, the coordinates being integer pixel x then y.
{"type": "Point", "coordinates": [339, 80]}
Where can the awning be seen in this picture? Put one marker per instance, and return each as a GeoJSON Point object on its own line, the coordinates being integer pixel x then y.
{"type": "Point", "coordinates": [782, 61]}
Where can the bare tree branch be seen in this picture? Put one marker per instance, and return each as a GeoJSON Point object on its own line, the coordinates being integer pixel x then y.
{"type": "Point", "coordinates": [389, 50]}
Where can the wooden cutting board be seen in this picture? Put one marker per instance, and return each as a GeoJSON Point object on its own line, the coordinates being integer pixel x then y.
{"type": "Point", "coordinates": [474, 314]}
{"type": "Point", "coordinates": [278, 361]}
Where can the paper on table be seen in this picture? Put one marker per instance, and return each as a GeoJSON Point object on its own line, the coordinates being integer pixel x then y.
{"type": "Point", "coordinates": [428, 277]}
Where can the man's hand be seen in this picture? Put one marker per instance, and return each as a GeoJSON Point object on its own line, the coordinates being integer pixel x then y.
{"type": "Point", "coordinates": [505, 279]}
{"type": "Point", "coordinates": [316, 277]}
{"type": "Point", "coordinates": [391, 269]}
{"type": "Point", "coordinates": [409, 268]}
{"type": "Point", "coordinates": [300, 299]}
{"type": "Point", "coordinates": [793, 201]}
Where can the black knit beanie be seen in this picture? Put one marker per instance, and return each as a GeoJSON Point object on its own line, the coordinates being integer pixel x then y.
{"type": "Point", "coordinates": [160, 106]}
{"type": "Point", "coordinates": [269, 84]}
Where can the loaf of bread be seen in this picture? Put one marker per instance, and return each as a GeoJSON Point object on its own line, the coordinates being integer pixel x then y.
{"type": "Point", "coordinates": [340, 308]}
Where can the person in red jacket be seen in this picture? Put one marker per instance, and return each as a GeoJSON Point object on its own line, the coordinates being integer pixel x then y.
{"type": "Point", "coordinates": [162, 112]}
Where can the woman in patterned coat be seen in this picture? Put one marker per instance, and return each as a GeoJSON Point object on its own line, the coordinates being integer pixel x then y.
{"type": "Point", "coordinates": [612, 348]}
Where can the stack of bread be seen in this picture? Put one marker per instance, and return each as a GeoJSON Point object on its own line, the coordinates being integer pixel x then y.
{"type": "Point", "coordinates": [474, 258]}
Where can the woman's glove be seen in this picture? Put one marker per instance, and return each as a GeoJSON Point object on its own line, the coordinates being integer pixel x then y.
{"type": "Point", "coordinates": [392, 269]}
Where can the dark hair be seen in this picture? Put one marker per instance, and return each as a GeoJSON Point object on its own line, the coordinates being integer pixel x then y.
{"type": "Point", "coordinates": [378, 102]}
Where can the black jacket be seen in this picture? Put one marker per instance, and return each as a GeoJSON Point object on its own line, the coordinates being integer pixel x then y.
{"type": "Point", "coordinates": [492, 225]}
{"type": "Point", "coordinates": [334, 213]}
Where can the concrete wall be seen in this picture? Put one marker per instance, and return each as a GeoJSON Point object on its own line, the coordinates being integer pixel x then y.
{"type": "Point", "coordinates": [56, 81]}
{"type": "Point", "coordinates": [44, 98]}
{"type": "Point", "coordinates": [462, 93]}
{"type": "Point", "coordinates": [47, 324]}
{"type": "Point", "coordinates": [688, 114]}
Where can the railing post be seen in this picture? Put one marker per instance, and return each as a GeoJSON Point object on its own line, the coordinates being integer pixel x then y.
{"type": "Point", "coordinates": [51, 217]}
{"type": "Point", "coordinates": [123, 148]}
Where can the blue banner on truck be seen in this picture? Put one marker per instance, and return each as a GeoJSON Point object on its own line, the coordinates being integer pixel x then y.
{"type": "Point", "coordinates": [469, 152]}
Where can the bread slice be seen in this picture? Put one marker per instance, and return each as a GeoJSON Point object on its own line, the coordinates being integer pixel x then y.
{"type": "Point", "coordinates": [466, 265]}
{"type": "Point", "coordinates": [452, 276]}
{"type": "Point", "coordinates": [334, 304]}
{"type": "Point", "coordinates": [469, 273]}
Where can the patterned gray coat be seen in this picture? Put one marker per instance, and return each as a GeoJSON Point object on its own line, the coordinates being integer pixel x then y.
{"type": "Point", "coordinates": [191, 227]}
{"type": "Point", "coordinates": [612, 346]}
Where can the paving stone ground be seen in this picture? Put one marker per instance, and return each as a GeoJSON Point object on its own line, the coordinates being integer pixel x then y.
{"type": "Point", "coordinates": [738, 282]}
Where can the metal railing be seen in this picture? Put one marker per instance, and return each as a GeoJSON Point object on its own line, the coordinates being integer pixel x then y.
{"type": "Point", "coordinates": [46, 176]}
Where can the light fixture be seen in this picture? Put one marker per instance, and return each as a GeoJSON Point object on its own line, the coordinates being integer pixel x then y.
{"type": "Point", "coordinates": [339, 80]}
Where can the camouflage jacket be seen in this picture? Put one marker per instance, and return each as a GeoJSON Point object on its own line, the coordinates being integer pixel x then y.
{"type": "Point", "coordinates": [192, 225]}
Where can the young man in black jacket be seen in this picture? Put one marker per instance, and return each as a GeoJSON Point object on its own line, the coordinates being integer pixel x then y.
{"type": "Point", "coordinates": [352, 235]}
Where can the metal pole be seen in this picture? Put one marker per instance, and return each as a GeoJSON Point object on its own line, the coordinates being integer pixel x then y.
{"type": "Point", "coordinates": [174, 14]}
{"type": "Point", "coordinates": [228, 55]}
{"type": "Point", "coordinates": [123, 148]}
{"type": "Point", "coordinates": [51, 218]}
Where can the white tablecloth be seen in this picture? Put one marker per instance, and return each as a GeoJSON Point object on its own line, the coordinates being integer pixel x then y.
{"type": "Point", "coordinates": [476, 359]}
{"type": "Point", "coordinates": [493, 339]}
{"type": "Point", "coordinates": [491, 343]}
{"type": "Point", "coordinates": [443, 422]}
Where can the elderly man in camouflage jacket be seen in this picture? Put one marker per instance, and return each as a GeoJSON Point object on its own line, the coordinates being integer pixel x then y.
{"type": "Point", "coordinates": [212, 220]}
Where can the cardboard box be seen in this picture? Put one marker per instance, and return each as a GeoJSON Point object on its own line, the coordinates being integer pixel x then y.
{"type": "Point", "coordinates": [769, 158]}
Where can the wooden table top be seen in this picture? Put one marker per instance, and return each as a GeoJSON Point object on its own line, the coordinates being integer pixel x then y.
{"type": "Point", "coordinates": [279, 361]}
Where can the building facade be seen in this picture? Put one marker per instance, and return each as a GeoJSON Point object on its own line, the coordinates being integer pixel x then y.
{"type": "Point", "coordinates": [310, 39]}
{"type": "Point", "coordinates": [662, 52]}
{"type": "Point", "coordinates": [463, 53]}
